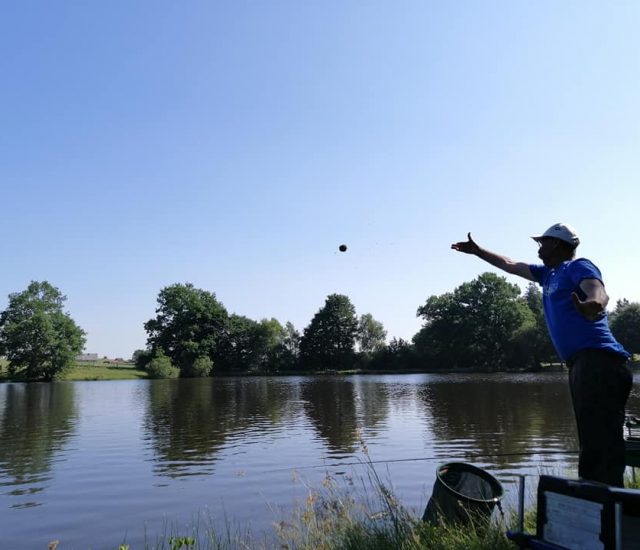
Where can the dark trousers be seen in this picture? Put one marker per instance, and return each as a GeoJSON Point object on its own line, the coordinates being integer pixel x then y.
{"type": "Point", "coordinates": [600, 383]}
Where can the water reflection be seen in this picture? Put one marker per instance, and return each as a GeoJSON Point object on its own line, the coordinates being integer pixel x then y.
{"type": "Point", "coordinates": [267, 426]}
{"type": "Point", "coordinates": [372, 404]}
{"type": "Point", "coordinates": [505, 418]}
{"type": "Point", "coordinates": [330, 406]}
{"type": "Point", "coordinates": [36, 422]}
{"type": "Point", "coordinates": [189, 421]}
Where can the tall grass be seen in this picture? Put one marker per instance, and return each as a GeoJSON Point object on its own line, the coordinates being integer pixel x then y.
{"type": "Point", "coordinates": [331, 518]}
{"type": "Point", "coordinates": [347, 514]}
{"type": "Point", "coordinates": [363, 514]}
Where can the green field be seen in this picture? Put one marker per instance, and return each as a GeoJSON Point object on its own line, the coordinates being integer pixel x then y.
{"type": "Point", "coordinates": [100, 370]}
{"type": "Point", "coordinates": [94, 370]}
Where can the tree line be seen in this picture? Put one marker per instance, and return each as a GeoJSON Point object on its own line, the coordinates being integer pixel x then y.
{"type": "Point", "coordinates": [485, 324]}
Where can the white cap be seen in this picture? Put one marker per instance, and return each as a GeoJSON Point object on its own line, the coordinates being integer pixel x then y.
{"type": "Point", "coordinates": [561, 231]}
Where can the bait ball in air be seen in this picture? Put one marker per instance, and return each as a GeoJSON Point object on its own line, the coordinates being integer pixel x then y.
{"type": "Point", "coordinates": [343, 248]}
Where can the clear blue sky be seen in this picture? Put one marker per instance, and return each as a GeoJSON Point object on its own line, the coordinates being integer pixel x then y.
{"type": "Point", "coordinates": [236, 145]}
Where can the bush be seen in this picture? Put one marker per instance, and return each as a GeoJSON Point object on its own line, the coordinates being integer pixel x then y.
{"type": "Point", "coordinates": [200, 368]}
{"type": "Point", "coordinates": [160, 367]}
{"type": "Point", "coordinates": [141, 358]}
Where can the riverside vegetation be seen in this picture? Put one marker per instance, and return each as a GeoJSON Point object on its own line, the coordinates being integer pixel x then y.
{"type": "Point", "coordinates": [486, 324]}
{"type": "Point", "coordinates": [100, 370]}
{"type": "Point", "coordinates": [332, 518]}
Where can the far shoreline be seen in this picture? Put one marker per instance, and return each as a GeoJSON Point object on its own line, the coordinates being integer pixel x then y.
{"type": "Point", "coordinates": [110, 370]}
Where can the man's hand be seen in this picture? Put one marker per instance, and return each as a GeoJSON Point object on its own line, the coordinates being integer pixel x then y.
{"type": "Point", "coordinates": [501, 262]}
{"type": "Point", "coordinates": [468, 247]}
{"type": "Point", "coordinates": [592, 310]}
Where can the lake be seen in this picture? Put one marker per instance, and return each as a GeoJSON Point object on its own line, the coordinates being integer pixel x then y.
{"type": "Point", "coordinates": [98, 464]}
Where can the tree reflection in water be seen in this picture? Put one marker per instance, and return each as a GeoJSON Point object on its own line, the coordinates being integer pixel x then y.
{"type": "Point", "coordinates": [502, 417]}
{"type": "Point", "coordinates": [36, 423]}
{"type": "Point", "coordinates": [190, 420]}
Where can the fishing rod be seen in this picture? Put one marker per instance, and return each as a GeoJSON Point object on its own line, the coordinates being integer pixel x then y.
{"type": "Point", "coordinates": [418, 459]}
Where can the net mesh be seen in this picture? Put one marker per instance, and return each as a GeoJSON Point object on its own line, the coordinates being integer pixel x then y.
{"type": "Point", "coordinates": [468, 484]}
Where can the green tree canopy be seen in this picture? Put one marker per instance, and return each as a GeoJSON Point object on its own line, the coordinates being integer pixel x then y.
{"type": "Point", "coordinates": [397, 354]}
{"type": "Point", "coordinates": [625, 324]}
{"type": "Point", "coordinates": [137, 355]}
{"type": "Point", "coordinates": [473, 326]}
{"type": "Point", "coordinates": [141, 358]}
{"type": "Point", "coordinates": [534, 344]}
{"type": "Point", "coordinates": [269, 337]}
{"type": "Point", "coordinates": [38, 338]}
{"type": "Point", "coordinates": [286, 353]}
{"type": "Point", "coordinates": [250, 345]}
{"type": "Point", "coordinates": [235, 350]}
{"type": "Point", "coordinates": [371, 334]}
{"type": "Point", "coordinates": [189, 323]}
{"type": "Point", "coordinates": [328, 342]}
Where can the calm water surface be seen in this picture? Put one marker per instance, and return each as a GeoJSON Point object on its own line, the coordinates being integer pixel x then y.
{"type": "Point", "coordinates": [96, 464]}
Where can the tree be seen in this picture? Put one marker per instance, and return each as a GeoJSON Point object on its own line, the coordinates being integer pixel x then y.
{"type": "Point", "coordinates": [190, 323]}
{"type": "Point", "coordinates": [396, 355]}
{"type": "Point", "coordinates": [37, 337]}
{"type": "Point", "coordinates": [625, 324]}
{"type": "Point", "coordinates": [328, 342]}
{"type": "Point", "coordinates": [473, 326]}
{"type": "Point", "coordinates": [141, 358]}
{"type": "Point", "coordinates": [250, 345]}
{"type": "Point", "coordinates": [535, 340]}
{"type": "Point", "coordinates": [371, 334]}
{"type": "Point", "coordinates": [137, 355]}
{"type": "Point", "coordinates": [286, 353]}
{"type": "Point", "coordinates": [268, 338]}
{"type": "Point", "coordinates": [237, 352]}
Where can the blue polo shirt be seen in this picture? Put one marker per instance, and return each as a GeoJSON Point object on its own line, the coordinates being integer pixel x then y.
{"type": "Point", "coordinates": [569, 330]}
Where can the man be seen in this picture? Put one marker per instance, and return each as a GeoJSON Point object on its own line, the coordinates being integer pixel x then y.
{"type": "Point", "coordinates": [574, 301]}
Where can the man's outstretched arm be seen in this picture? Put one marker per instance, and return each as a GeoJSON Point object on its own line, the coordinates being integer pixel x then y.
{"type": "Point", "coordinates": [501, 262]}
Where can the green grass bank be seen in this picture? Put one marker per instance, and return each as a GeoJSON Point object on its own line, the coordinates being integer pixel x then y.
{"type": "Point", "coordinates": [91, 370]}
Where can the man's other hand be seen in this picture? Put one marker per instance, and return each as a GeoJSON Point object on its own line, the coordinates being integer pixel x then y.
{"type": "Point", "coordinates": [589, 309]}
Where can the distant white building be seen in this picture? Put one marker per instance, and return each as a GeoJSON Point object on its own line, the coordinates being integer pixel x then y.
{"type": "Point", "coordinates": [87, 357]}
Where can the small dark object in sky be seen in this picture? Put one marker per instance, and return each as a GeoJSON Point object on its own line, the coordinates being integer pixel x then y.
{"type": "Point", "coordinates": [343, 248]}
